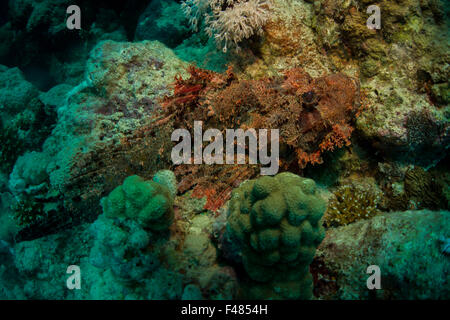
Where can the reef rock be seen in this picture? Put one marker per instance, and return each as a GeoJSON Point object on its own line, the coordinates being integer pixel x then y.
{"type": "Point", "coordinates": [404, 72]}
{"type": "Point", "coordinates": [405, 246]}
{"type": "Point", "coordinates": [15, 92]}
{"type": "Point", "coordinates": [25, 120]}
{"type": "Point", "coordinates": [105, 127]}
{"type": "Point", "coordinates": [288, 41]}
{"type": "Point", "coordinates": [403, 67]}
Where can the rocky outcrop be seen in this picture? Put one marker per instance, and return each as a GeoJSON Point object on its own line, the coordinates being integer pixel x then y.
{"type": "Point", "coordinates": [105, 130]}
{"type": "Point", "coordinates": [405, 245]}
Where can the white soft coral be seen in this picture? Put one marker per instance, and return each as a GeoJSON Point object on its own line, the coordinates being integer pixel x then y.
{"type": "Point", "coordinates": [228, 21]}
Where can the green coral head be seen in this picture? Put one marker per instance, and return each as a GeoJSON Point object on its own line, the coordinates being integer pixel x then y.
{"type": "Point", "coordinates": [148, 202]}
{"type": "Point", "coordinates": [277, 221]}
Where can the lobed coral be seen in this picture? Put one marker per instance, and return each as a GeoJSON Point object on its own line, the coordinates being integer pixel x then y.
{"type": "Point", "coordinates": [148, 202]}
{"type": "Point", "coordinates": [277, 221]}
{"type": "Point", "coordinates": [228, 21]}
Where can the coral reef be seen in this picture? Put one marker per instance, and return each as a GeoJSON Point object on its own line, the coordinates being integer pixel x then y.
{"type": "Point", "coordinates": [25, 120]}
{"type": "Point", "coordinates": [402, 68]}
{"type": "Point", "coordinates": [412, 187]}
{"type": "Point", "coordinates": [121, 248]}
{"type": "Point", "coordinates": [163, 20]}
{"type": "Point", "coordinates": [277, 219]}
{"type": "Point", "coordinates": [28, 212]}
{"type": "Point", "coordinates": [8, 227]}
{"type": "Point", "coordinates": [445, 245]}
{"type": "Point", "coordinates": [87, 179]}
{"type": "Point", "coordinates": [36, 38]}
{"type": "Point", "coordinates": [325, 107]}
{"type": "Point", "coordinates": [29, 175]}
{"type": "Point", "coordinates": [422, 188]}
{"type": "Point", "coordinates": [121, 258]}
{"type": "Point", "coordinates": [289, 41]}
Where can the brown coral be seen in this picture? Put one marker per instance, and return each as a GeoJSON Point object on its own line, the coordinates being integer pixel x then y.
{"type": "Point", "coordinates": [351, 203]}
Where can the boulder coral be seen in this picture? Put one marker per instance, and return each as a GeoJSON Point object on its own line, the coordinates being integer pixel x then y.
{"type": "Point", "coordinates": [277, 221]}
